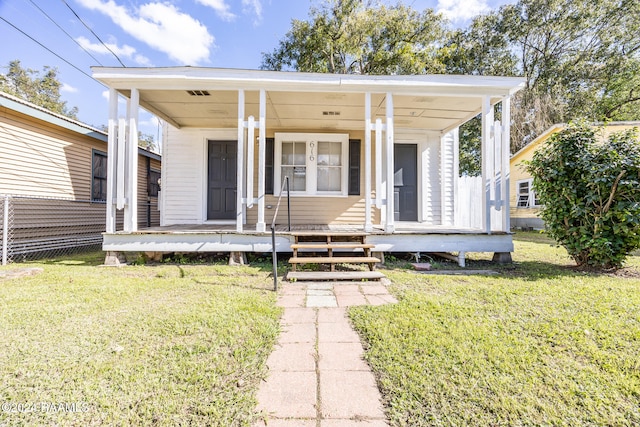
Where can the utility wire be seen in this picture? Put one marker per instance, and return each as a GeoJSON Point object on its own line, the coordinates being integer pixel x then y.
{"type": "Point", "coordinates": [50, 51]}
{"type": "Point", "coordinates": [92, 32]}
{"type": "Point", "coordinates": [63, 30]}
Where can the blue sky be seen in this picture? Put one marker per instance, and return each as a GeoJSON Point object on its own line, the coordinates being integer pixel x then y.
{"type": "Point", "coordinates": [212, 33]}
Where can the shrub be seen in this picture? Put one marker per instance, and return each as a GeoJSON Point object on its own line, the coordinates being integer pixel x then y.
{"type": "Point", "coordinates": [590, 193]}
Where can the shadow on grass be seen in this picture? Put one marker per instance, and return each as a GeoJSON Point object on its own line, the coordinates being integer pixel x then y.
{"type": "Point", "coordinates": [523, 270]}
{"type": "Point", "coordinates": [77, 258]}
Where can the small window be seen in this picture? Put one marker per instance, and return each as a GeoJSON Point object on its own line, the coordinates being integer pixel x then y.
{"type": "Point", "coordinates": [153, 183]}
{"type": "Point", "coordinates": [99, 176]}
{"type": "Point", "coordinates": [316, 164]}
{"type": "Point", "coordinates": [526, 197]}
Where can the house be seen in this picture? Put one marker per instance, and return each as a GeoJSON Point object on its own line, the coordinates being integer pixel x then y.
{"type": "Point", "coordinates": [53, 179]}
{"type": "Point", "coordinates": [376, 154]}
{"type": "Point", "coordinates": [523, 204]}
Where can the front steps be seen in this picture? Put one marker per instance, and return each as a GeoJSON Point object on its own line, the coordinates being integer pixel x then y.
{"type": "Point", "coordinates": [329, 248]}
{"type": "Point", "coordinates": [318, 276]}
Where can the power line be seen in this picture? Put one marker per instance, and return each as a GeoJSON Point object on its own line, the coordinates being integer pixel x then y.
{"type": "Point", "coordinates": [92, 32]}
{"type": "Point", "coordinates": [50, 51]}
{"type": "Point", "coordinates": [63, 30]}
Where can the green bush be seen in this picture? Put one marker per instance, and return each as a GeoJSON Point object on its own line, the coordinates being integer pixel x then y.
{"type": "Point", "coordinates": [589, 190]}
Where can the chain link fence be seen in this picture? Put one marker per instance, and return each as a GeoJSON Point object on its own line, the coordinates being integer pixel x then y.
{"type": "Point", "coordinates": [6, 215]}
{"type": "Point", "coordinates": [35, 227]}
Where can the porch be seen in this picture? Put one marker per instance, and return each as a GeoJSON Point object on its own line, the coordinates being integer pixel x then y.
{"type": "Point", "coordinates": [407, 237]}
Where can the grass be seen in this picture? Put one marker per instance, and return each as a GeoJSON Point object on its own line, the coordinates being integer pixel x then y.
{"type": "Point", "coordinates": [141, 345]}
{"type": "Point", "coordinates": [538, 344]}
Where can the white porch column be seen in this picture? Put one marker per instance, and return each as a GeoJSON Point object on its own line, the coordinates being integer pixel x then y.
{"type": "Point", "coordinates": [131, 208]}
{"type": "Point", "coordinates": [378, 167]}
{"type": "Point", "coordinates": [262, 155]}
{"type": "Point", "coordinates": [389, 225]}
{"type": "Point", "coordinates": [251, 139]}
{"type": "Point", "coordinates": [487, 161]}
{"type": "Point", "coordinates": [368, 226]}
{"type": "Point", "coordinates": [449, 171]}
{"type": "Point", "coordinates": [112, 153]}
{"type": "Point", "coordinates": [506, 165]}
{"type": "Point", "coordinates": [121, 170]}
{"type": "Point", "coordinates": [240, 161]}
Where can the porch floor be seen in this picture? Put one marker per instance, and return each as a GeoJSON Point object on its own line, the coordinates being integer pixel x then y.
{"type": "Point", "coordinates": [407, 237]}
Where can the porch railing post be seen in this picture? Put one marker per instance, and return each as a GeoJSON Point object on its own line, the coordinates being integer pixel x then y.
{"type": "Point", "coordinates": [240, 163]}
{"type": "Point", "coordinates": [274, 253]}
{"type": "Point", "coordinates": [368, 226]}
{"type": "Point", "coordinates": [389, 225]}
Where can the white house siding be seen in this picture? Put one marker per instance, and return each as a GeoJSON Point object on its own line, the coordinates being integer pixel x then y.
{"type": "Point", "coordinates": [184, 178]}
{"type": "Point", "coordinates": [184, 173]}
{"type": "Point", "coordinates": [319, 209]}
{"type": "Point", "coordinates": [316, 210]}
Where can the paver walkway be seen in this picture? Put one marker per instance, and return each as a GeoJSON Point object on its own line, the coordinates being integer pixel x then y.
{"type": "Point", "coordinates": [317, 375]}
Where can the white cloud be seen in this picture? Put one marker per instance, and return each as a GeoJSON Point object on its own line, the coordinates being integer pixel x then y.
{"type": "Point", "coordinates": [122, 102]}
{"type": "Point", "coordinates": [107, 48]}
{"type": "Point", "coordinates": [253, 6]}
{"type": "Point", "coordinates": [161, 26]}
{"type": "Point", "coordinates": [221, 8]}
{"type": "Point", "coordinates": [462, 10]}
{"type": "Point", "coordinates": [151, 121]}
{"type": "Point", "coordinates": [68, 88]}
{"type": "Point", "coordinates": [142, 60]}
{"type": "Point", "coordinates": [124, 51]}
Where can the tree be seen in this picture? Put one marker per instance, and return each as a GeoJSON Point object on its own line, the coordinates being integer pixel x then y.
{"type": "Point", "coordinates": [146, 141]}
{"type": "Point", "coordinates": [43, 91]}
{"type": "Point", "coordinates": [579, 58]}
{"type": "Point", "coordinates": [590, 193]}
{"type": "Point", "coordinates": [361, 37]}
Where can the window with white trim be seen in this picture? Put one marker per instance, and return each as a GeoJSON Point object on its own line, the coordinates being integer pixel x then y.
{"type": "Point", "coordinates": [316, 163]}
{"type": "Point", "coordinates": [526, 194]}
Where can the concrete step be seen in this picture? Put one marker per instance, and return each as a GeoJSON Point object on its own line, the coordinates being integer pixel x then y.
{"type": "Point", "coordinates": [334, 260]}
{"type": "Point", "coordinates": [320, 245]}
{"type": "Point", "coordinates": [334, 275]}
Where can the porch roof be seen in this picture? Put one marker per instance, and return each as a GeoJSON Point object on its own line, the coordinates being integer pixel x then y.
{"type": "Point", "coordinates": [199, 97]}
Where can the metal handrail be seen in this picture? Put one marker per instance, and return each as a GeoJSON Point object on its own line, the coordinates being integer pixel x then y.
{"type": "Point", "coordinates": [274, 254]}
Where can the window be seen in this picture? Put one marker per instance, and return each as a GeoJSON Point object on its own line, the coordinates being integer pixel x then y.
{"type": "Point", "coordinates": [153, 181]}
{"type": "Point", "coordinates": [526, 195]}
{"type": "Point", "coordinates": [316, 164]}
{"type": "Point", "coordinates": [99, 176]}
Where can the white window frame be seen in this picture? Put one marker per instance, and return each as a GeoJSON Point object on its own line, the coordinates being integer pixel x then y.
{"type": "Point", "coordinates": [311, 157]}
{"type": "Point", "coordinates": [531, 195]}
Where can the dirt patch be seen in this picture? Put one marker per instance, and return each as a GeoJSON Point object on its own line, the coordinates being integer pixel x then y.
{"type": "Point", "coordinates": [20, 272]}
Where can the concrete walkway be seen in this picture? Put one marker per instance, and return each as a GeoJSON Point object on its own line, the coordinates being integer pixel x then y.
{"type": "Point", "coordinates": [317, 375]}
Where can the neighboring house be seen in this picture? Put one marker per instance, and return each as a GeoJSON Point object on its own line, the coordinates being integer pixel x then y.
{"type": "Point", "coordinates": [378, 154]}
{"type": "Point", "coordinates": [524, 203]}
{"type": "Point", "coordinates": [53, 170]}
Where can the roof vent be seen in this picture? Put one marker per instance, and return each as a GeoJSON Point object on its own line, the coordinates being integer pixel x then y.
{"type": "Point", "coordinates": [198, 93]}
{"type": "Point", "coordinates": [331, 113]}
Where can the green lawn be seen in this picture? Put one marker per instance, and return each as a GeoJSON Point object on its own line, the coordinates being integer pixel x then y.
{"type": "Point", "coordinates": [538, 344]}
{"type": "Point", "coordinates": [141, 345]}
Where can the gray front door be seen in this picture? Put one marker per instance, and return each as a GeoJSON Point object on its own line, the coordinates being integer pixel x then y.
{"type": "Point", "coordinates": [405, 182]}
{"type": "Point", "coordinates": [222, 179]}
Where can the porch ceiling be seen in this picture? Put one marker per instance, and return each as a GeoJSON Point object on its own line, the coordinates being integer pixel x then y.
{"type": "Point", "coordinates": [300, 101]}
{"type": "Point", "coordinates": [307, 110]}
